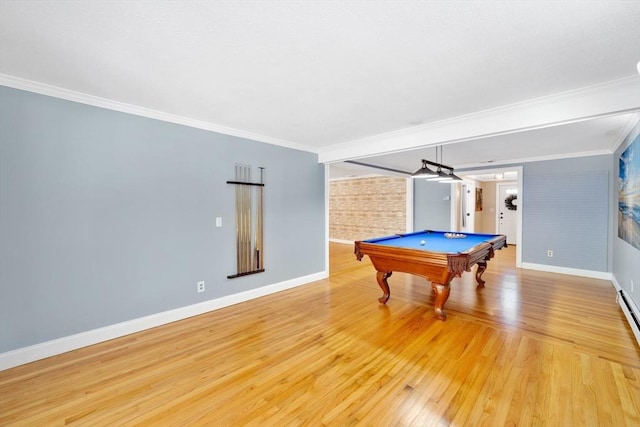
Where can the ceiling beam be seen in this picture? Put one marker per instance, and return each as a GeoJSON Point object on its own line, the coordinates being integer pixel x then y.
{"type": "Point", "coordinates": [603, 100]}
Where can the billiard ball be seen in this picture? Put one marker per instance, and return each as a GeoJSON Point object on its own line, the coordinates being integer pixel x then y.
{"type": "Point", "coordinates": [422, 242]}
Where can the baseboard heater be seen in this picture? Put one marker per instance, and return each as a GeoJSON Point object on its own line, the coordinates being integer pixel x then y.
{"type": "Point", "coordinates": [631, 312]}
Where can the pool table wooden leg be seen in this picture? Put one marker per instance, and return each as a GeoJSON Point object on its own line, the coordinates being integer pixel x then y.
{"type": "Point", "coordinates": [442, 295]}
{"type": "Point", "coordinates": [482, 266]}
{"type": "Point", "coordinates": [382, 282]}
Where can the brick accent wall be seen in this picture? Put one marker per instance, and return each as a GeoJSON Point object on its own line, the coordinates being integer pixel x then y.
{"type": "Point", "coordinates": [362, 208]}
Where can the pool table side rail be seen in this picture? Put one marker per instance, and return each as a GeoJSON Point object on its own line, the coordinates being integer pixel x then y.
{"type": "Point", "coordinates": [390, 258]}
{"type": "Point", "coordinates": [421, 262]}
{"type": "Point", "coordinates": [379, 240]}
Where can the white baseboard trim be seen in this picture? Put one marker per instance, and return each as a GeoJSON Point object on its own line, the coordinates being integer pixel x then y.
{"type": "Point", "coordinates": [571, 271]}
{"type": "Point", "coordinates": [346, 242]}
{"type": "Point", "coordinates": [43, 350]}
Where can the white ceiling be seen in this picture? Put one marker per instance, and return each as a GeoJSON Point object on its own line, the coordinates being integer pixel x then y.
{"type": "Point", "coordinates": [495, 81]}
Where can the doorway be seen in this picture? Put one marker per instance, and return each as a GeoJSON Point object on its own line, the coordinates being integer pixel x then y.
{"type": "Point", "coordinates": [489, 180]}
{"type": "Point", "coordinates": [507, 206]}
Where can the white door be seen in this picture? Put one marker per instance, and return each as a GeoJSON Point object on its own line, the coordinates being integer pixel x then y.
{"type": "Point", "coordinates": [507, 206]}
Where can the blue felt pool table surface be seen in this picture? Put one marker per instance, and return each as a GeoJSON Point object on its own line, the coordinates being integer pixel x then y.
{"type": "Point", "coordinates": [434, 241]}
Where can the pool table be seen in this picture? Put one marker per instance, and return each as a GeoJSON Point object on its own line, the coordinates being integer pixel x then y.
{"type": "Point", "coordinates": [437, 256]}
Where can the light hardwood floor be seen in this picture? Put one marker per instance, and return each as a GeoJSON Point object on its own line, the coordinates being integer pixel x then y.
{"type": "Point", "coordinates": [531, 348]}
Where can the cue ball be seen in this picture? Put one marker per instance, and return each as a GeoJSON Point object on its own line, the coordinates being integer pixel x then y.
{"type": "Point", "coordinates": [422, 242]}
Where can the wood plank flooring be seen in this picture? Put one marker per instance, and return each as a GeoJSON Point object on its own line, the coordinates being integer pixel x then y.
{"type": "Point", "coordinates": [532, 348]}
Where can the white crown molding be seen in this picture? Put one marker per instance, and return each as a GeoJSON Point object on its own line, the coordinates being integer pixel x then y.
{"type": "Point", "coordinates": [96, 101]}
{"type": "Point", "coordinates": [43, 350]}
{"type": "Point", "coordinates": [627, 132]}
{"type": "Point", "coordinates": [602, 100]}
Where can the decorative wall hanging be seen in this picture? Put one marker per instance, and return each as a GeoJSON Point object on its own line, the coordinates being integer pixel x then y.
{"type": "Point", "coordinates": [511, 202]}
{"type": "Point", "coordinates": [249, 222]}
{"type": "Point", "coordinates": [629, 194]}
{"type": "Point", "coordinates": [478, 199]}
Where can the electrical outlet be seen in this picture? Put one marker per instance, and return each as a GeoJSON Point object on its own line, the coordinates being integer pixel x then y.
{"type": "Point", "coordinates": [218, 222]}
{"type": "Point", "coordinates": [549, 253]}
{"type": "Point", "coordinates": [201, 286]}
{"type": "Point", "coordinates": [631, 285]}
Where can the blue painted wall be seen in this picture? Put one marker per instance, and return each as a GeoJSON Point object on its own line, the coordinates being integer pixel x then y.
{"type": "Point", "coordinates": [107, 217]}
{"type": "Point", "coordinates": [566, 209]}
